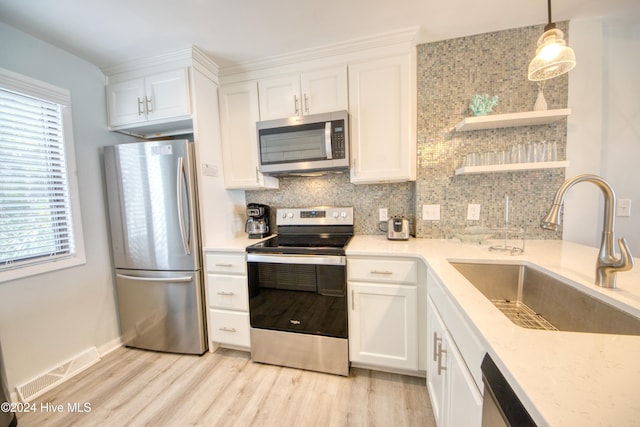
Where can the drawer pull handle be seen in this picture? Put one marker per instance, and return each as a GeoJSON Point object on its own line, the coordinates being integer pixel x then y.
{"type": "Point", "coordinates": [386, 272]}
{"type": "Point", "coordinates": [225, 329]}
{"type": "Point", "coordinates": [436, 343]}
{"type": "Point", "coordinates": [440, 351]}
{"type": "Point", "coordinates": [224, 265]}
{"type": "Point", "coordinates": [226, 293]}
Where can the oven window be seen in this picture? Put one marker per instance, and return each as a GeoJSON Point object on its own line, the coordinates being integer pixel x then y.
{"type": "Point", "coordinates": [304, 298]}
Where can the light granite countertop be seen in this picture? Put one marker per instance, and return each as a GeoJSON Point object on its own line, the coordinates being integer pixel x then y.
{"type": "Point", "coordinates": [562, 378]}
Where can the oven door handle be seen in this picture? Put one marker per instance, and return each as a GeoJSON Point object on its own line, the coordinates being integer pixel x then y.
{"type": "Point", "coordinates": [297, 259]}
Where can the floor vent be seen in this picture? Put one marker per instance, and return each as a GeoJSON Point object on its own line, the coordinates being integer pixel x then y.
{"type": "Point", "coordinates": [45, 382]}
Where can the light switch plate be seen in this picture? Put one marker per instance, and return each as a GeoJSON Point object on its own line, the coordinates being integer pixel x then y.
{"type": "Point", "coordinates": [473, 212]}
{"type": "Point", "coordinates": [383, 214]}
{"type": "Point", "coordinates": [623, 207]}
{"type": "Point", "coordinates": [431, 212]}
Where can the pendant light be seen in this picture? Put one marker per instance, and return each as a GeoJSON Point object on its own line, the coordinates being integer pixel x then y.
{"type": "Point", "coordinates": [553, 56]}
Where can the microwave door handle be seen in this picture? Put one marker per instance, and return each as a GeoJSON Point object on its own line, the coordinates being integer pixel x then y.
{"type": "Point", "coordinates": [327, 140]}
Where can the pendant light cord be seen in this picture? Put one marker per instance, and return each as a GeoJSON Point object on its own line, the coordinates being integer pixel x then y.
{"type": "Point", "coordinates": [550, 25]}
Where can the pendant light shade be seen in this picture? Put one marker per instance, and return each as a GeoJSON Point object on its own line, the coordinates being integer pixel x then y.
{"type": "Point", "coordinates": [553, 56]}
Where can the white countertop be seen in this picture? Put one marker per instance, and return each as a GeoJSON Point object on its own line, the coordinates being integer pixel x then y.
{"type": "Point", "coordinates": [239, 244]}
{"type": "Point", "coordinates": [562, 378]}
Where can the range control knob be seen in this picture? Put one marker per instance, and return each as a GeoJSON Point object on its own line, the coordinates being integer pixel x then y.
{"type": "Point", "coordinates": [335, 214]}
{"type": "Point", "coordinates": [290, 215]}
{"type": "Point", "coordinates": [344, 214]}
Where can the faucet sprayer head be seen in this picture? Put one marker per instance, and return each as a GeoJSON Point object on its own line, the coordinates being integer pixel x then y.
{"type": "Point", "coordinates": [552, 220]}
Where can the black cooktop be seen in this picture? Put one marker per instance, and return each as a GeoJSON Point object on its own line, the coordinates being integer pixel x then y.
{"type": "Point", "coordinates": [303, 244]}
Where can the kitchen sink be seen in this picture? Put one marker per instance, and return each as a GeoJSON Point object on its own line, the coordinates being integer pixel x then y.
{"type": "Point", "coordinates": [533, 299]}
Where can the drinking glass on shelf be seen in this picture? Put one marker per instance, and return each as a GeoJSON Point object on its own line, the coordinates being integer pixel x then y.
{"type": "Point", "coordinates": [513, 153]}
{"type": "Point", "coordinates": [530, 152]}
{"type": "Point", "coordinates": [522, 153]}
{"type": "Point", "coordinates": [470, 159]}
{"type": "Point", "coordinates": [552, 152]}
{"type": "Point", "coordinates": [541, 154]}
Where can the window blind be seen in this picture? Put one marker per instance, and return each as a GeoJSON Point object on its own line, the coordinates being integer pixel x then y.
{"type": "Point", "coordinates": [35, 213]}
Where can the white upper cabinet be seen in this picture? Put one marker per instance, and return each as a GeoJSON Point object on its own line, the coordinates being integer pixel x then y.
{"type": "Point", "coordinates": [238, 116]}
{"type": "Point", "coordinates": [312, 92]}
{"type": "Point", "coordinates": [158, 97]}
{"type": "Point", "coordinates": [382, 112]}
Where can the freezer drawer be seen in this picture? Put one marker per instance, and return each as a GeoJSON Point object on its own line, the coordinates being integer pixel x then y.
{"type": "Point", "coordinates": [162, 311]}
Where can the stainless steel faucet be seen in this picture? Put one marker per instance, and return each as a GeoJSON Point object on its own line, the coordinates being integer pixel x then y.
{"type": "Point", "coordinates": [607, 264]}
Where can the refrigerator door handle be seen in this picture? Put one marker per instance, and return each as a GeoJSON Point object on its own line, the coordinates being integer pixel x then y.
{"type": "Point", "coordinates": [181, 177]}
{"type": "Point", "coordinates": [157, 279]}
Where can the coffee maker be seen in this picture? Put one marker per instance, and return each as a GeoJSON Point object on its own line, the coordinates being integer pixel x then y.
{"type": "Point", "coordinates": [257, 225]}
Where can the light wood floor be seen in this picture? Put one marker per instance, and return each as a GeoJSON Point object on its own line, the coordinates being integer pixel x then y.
{"type": "Point", "coordinates": [141, 388]}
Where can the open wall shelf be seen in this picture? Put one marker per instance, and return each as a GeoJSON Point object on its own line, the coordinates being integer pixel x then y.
{"type": "Point", "coordinates": [528, 118]}
{"type": "Point", "coordinates": [511, 167]}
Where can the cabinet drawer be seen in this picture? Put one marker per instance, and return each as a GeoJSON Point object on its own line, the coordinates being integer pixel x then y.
{"type": "Point", "coordinates": [383, 270]}
{"type": "Point", "coordinates": [228, 292]}
{"type": "Point", "coordinates": [228, 327]}
{"type": "Point", "coordinates": [225, 263]}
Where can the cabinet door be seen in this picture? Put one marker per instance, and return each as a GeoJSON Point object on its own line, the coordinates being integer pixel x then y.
{"type": "Point", "coordinates": [126, 102]}
{"type": "Point", "coordinates": [465, 401]}
{"type": "Point", "coordinates": [383, 325]}
{"type": "Point", "coordinates": [238, 116]}
{"type": "Point", "coordinates": [167, 94]}
{"type": "Point", "coordinates": [280, 97]}
{"type": "Point", "coordinates": [382, 111]}
{"type": "Point", "coordinates": [436, 362]}
{"type": "Point", "coordinates": [324, 91]}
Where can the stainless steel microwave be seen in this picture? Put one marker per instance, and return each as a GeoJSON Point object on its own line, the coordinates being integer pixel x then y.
{"type": "Point", "coordinates": [318, 142]}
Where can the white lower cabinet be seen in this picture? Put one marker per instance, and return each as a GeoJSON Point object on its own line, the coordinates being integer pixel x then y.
{"type": "Point", "coordinates": [382, 321]}
{"type": "Point", "coordinates": [227, 300]}
{"type": "Point", "coordinates": [383, 312]}
{"type": "Point", "coordinates": [455, 396]}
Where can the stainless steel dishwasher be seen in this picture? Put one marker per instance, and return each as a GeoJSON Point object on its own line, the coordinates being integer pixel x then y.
{"type": "Point", "coordinates": [500, 406]}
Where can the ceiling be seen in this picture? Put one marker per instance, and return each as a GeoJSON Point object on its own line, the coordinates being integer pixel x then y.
{"type": "Point", "coordinates": [110, 32]}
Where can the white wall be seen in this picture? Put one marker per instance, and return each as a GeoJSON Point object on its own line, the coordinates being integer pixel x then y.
{"type": "Point", "coordinates": [604, 127]}
{"type": "Point", "coordinates": [48, 319]}
{"type": "Point", "coordinates": [621, 117]}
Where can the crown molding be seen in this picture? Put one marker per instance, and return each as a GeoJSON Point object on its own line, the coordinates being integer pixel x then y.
{"type": "Point", "coordinates": [407, 35]}
{"type": "Point", "coordinates": [192, 55]}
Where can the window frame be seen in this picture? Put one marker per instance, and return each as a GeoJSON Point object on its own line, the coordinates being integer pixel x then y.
{"type": "Point", "coordinates": [35, 88]}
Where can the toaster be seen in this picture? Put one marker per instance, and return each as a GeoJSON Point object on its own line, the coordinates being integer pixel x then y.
{"type": "Point", "coordinates": [398, 228]}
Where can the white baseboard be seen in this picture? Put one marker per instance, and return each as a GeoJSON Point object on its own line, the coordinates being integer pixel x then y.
{"type": "Point", "coordinates": [59, 374]}
{"type": "Point", "coordinates": [112, 345]}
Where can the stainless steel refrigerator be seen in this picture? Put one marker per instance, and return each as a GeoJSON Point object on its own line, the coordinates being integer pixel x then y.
{"type": "Point", "coordinates": [153, 212]}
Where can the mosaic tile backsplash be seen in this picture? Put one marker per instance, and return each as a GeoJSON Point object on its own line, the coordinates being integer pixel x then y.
{"type": "Point", "coordinates": [449, 74]}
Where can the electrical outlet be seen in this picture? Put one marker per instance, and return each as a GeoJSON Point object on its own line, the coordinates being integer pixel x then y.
{"type": "Point", "coordinates": [473, 212]}
{"type": "Point", "coordinates": [623, 207]}
{"type": "Point", "coordinates": [431, 212]}
{"type": "Point", "coordinates": [383, 215]}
